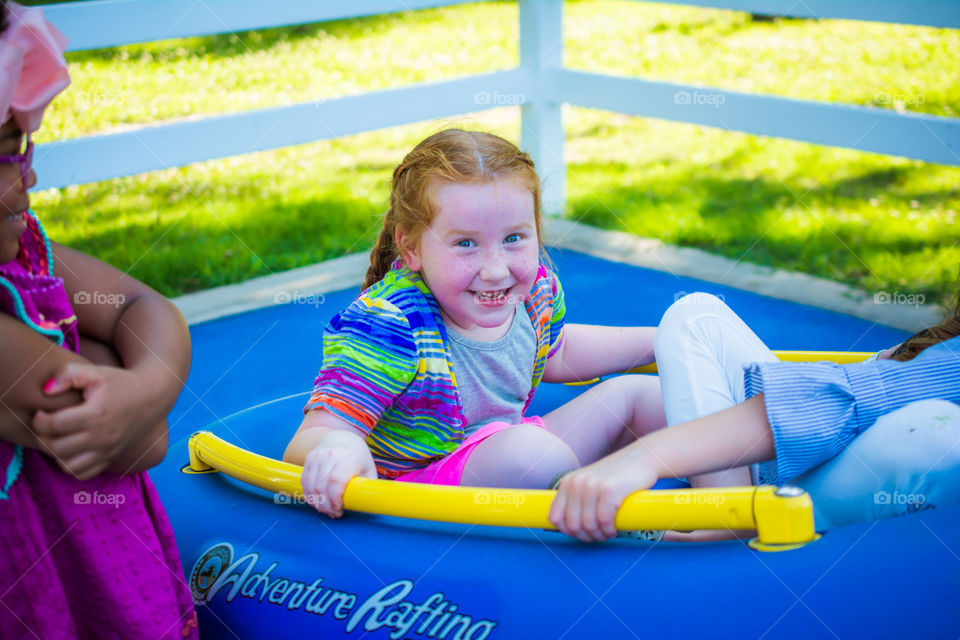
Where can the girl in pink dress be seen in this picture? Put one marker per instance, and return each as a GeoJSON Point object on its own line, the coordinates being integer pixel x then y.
{"type": "Point", "coordinates": [92, 363]}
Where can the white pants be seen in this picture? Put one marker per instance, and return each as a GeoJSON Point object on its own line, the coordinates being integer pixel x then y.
{"type": "Point", "coordinates": [907, 461]}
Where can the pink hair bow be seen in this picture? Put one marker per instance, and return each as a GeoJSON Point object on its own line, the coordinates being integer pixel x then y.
{"type": "Point", "coordinates": [32, 68]}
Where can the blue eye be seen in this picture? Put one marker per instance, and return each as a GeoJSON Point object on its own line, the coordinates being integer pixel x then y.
{"type": "Point", "coordinates": [466, 244]}
{"type": "Point", "coordinates": [513, 237]}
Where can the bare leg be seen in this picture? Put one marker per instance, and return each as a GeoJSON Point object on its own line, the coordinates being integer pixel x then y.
{"type": "Point", "coordinates": [523, 457]}
{"type": "Point", "coordinates": [608, 416]}
{"type": "Point", "coordinates": [599, 421]}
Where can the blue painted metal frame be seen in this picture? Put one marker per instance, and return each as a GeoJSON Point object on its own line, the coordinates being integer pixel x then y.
{"type": "Point", "coordinates": [540, 79]}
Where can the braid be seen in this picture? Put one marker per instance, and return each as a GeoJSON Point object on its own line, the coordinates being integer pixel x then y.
{"type": "Point", "coordinates": [927, 338]}
{"type": "Point", "coordinates": [383, 253]}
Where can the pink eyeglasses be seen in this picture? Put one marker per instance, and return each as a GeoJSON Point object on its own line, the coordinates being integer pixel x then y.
{"type": "Point", "coordinates": [24, 158]}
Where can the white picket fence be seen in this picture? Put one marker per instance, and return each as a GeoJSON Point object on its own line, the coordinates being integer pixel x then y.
{"type": "Point", "coordinates": [540, 82]}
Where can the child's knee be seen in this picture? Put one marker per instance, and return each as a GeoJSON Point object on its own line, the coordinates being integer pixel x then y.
{"type": "Point", "coordinates": [682, 314]}
{"type": "Point", "coordinates": [536, 456]}
{"type": "Point", "coordinates": [640, 395]}
{"type": "Point", "coordinates": [543, 443]}
{"type": "Point", "coordinates": [628, 389]}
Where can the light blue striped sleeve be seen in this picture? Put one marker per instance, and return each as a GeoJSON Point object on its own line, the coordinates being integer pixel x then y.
{"type": "Point", "coordinates": [816, 409]}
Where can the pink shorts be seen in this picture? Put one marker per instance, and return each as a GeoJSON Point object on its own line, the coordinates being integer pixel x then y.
{"type": "Point", "coordinates": [447, 470]}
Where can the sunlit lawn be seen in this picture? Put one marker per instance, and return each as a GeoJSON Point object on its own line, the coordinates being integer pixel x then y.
{"type": "Point", "coordinates": [873, 221]}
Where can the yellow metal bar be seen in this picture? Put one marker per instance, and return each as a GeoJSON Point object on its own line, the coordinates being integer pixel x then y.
{"type": "Point", "coordinates": [840, 357]}
{"type": "Point", "coordinates": [779, 520]}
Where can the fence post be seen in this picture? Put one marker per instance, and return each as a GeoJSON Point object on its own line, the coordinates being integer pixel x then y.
{"type": "Point", "coordinates": [542, 134]}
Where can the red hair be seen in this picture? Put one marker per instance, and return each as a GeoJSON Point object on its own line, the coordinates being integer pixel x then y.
{"type": "Point", "coordinates": [450, 156]}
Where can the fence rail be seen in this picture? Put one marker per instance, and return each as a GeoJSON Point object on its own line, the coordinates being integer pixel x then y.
{"type": "Point", "coordinates": [96, 24]}
{"type": "Point", "coordinates": [540, 84]}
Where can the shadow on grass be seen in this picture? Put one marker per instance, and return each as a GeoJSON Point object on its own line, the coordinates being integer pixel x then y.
{"type": "Point", "coordinates": [758, 220]}
{"type": "Point", "coordinates": [196, 252]}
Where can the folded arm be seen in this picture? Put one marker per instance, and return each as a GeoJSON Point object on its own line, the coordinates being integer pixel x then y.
{"type": "Point", "coordinates": [145, 329]}
{"type": "Point", "coordinates": [29, 361]}
{"type": "Point", "coordinates": [110, 407]}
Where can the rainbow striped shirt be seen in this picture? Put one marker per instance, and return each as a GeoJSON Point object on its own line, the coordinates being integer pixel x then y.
{"type": "Point", "coordinates": [387, 368]}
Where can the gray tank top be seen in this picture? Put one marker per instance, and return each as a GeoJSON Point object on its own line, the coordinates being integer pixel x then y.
{"type": "Point", "coordinates": [493, 378]}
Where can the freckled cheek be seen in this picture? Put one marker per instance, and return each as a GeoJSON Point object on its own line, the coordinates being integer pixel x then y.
{"type": "Point", "coordinates": [524, 265]}
{"type": "Point", "coordinates": [457, 274]}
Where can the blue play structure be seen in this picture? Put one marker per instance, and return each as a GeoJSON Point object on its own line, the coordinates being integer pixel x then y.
{"type": "Point", "coordinates": [251, 562]}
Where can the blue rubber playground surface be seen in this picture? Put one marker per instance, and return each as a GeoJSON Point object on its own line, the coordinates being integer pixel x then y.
{"type": "Point", "coordinates": [258, 568]}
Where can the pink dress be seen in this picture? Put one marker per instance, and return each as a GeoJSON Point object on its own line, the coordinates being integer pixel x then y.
{"type": "Point", "coordinates": [78, 559]}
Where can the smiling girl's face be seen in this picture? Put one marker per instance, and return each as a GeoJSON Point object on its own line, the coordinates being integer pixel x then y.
{"type": "Point", "coordinates": [14, 200]}
{"type": "Point", "coordinates": [479, 256]}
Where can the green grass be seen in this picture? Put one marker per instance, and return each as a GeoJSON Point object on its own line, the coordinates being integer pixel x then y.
{"type": "Point", "coordinates": [877, 222]}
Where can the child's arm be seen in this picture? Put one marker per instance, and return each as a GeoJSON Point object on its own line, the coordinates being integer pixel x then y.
{"type": "Point", "coordinates": [588, 499]}
{"type": "Point", "coordinates": [588, 351]}
{"type": "Point", "coordinates": [151, 449]}
{"type": "Point", "coordinates": [29, 360]}
{"type": "Point", "coordinates": [332, 452]}
{"type": "Point", "coordinates": [121, 423]}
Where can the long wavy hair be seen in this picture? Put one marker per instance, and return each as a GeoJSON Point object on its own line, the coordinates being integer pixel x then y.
{"type": "Point", "coordinates": [949, 328]}
{"type": "Point", "coordinates": [452, 156]}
